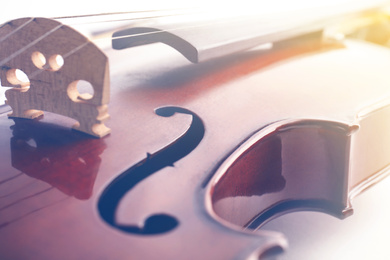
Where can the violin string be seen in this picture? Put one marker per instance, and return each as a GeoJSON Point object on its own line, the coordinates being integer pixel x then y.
{"type": "Point", "coordinates": [95, 40]}
{"type": "Point", "coordinates": [127, 19]}
{"type": "Point", "coordinates": [11, 178]}
{"type": "Point", "coordinates": [64, 56]}
{"type": "Point", "coordinates": [32, 43]}
{"type": "Point", "coordinates": [14, 31]}
{"type": "Point", "coordinates": [77, 48]}
{"type": "Point", "coordinates": [4, 224]}
{"type": "Point", "coordinates": [127, 16]}
{"type": "Point", "coordinates": [173, 29]}
{"type": "Point", "coordinates": [26, 185]}
{"type": "Point", "coordinates": [193, 11]}
{"type": "Point", "coordinates": [13, 55]}
{"type": "Point", "coordinates": [118, 37]}
{"type": "Point", "coordinates": [25, 198]}
{"type": "Point", "coordinates": [119, 13]}
{"type": "Point", "coordinates": [204, 24]}
{"type": "Point", "coordinates": [22, 188]}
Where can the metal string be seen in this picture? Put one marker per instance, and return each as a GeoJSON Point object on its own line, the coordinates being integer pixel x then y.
{"type": "Point", "coordinates": [4, 224]}
{"type": "Point", "coordinates": [95, 40]}
{"type": "Point", "coordinates": [117, 13]}
{"type": "Point", "coordinates": [25, 198]}
{"type": "Point", "coordinates": [11, 178]}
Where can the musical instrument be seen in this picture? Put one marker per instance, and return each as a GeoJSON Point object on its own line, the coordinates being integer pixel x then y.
{"type": "Point", "coordinates": [198, 156]}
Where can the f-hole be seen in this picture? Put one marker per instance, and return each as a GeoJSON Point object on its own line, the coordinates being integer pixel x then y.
{"type": "Point", "coordinates": [157, 223]}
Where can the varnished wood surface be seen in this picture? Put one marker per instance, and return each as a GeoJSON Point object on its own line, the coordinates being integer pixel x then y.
{"type": "Point", "coordinates": [360, 236]}
{"type": "Point", "coordinates": [50, 218]}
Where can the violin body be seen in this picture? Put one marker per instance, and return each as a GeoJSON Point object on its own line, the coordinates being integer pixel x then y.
{"type": "Point", "coordinates": [156, 187]}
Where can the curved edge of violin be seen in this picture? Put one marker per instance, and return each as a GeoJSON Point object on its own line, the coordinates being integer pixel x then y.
{"type": "Point", "coordinates": [370, 148]}
{"type": "Point", "coordinates": [301, 165]}
{"type": "Point", "coordinates": [273, 168]}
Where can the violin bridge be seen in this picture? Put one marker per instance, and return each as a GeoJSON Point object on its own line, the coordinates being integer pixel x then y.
{"type": "Point", "coordinates": [45, 62]}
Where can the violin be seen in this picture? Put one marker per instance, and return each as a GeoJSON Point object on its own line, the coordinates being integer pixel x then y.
{"type": "Point", "coordinates": [185, 140]}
